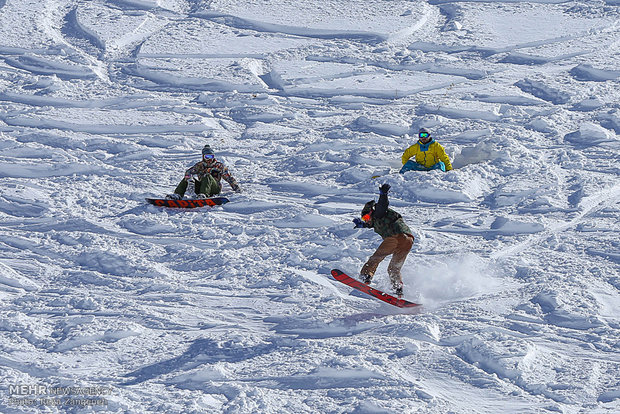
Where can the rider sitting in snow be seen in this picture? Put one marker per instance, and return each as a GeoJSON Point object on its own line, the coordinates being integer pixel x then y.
{"type": "Point", "coordinates": [205, 177]}
{"type": "Point", "coordinates": [427, 155]}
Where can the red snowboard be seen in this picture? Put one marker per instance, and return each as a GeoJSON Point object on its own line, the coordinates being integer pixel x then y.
{"type": "Point", "coordinates": [349, 281]}
{"type": "Point", "coordinates": [188, 203]}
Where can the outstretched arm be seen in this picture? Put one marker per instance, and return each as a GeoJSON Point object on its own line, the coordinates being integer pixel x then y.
{"type": "Point", "coordinates": [381, 207]}
{"type": "Point", "coordinates": [230, 179]}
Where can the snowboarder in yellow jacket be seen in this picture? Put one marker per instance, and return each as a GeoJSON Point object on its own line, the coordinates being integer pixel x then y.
{"type": "Point", "coordinates": [425, 155]}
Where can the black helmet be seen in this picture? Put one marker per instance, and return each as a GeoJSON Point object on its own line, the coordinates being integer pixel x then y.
{"type": "Point", "coordinates": [368, 207]}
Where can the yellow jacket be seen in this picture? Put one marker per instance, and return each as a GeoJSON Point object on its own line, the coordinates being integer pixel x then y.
{"type": "Point", "coordinates": [427, 154]}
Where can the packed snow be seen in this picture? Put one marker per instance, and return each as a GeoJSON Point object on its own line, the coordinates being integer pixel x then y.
{"type": "Point", "coordinates": [110, 304]}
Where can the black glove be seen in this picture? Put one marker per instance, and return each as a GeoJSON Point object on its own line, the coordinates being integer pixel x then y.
{"type": "Point", "coordinates": [384, 189]}
{"type": "Point", "coordinates": [358, 223]}
{"type": "Point", "coordinates": [217, 174]}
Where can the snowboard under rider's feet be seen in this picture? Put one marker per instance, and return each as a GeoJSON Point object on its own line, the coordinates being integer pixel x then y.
{"type": "Point", "coordinates": [175, 196]}
{"type": "Point", "coordinates": [397, 287]}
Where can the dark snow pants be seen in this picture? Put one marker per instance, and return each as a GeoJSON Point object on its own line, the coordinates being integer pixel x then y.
{"type": "Point", "coordinates": [208, 186]}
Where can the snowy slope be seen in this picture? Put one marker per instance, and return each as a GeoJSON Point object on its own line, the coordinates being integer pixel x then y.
{"type": "Point", "coordinates": [232, 309]}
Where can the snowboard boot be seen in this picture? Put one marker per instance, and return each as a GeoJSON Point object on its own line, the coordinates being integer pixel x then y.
{"type": "Point", "coordinates": [191, 188]}
{"type": "Point", "coordinates": [398, 289]}
{"type": "Point", "coordinates": [366, 279]}
{"type": "Point", "coordinates": [173, 196]}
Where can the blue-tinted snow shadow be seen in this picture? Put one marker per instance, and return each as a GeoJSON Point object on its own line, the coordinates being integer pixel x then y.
{"type": "Point", "coordinates": [347, 326]}
{"type": "Point", "coordinates": [501, 226]}
{"type": "Point", "coordinates": [200, 352]}
{"type": "Point", "coordinates": [74, 33]}
{"type": "Point", "coordinates": [315, 329]}
{"type": "Point", "coordinates": [266, 27]}
{"type": "Point", "coordinates": [551, 308]}
{"type": "Point", "coordinates": [586, 73]}
{"type": "Point", "coordinates": [329, 378]}
{"type": "Point", "coordinates": [18, 207]}
{"type": "Point", "coordinates": [149, 208]}
{"type": "Point", "coordinates": [44, 66]}
{"type": "Point", "coordinates": [304, 189]}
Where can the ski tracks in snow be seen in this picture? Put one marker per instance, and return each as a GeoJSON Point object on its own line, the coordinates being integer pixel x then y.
{"type": "Point", "coordinates": [587, 206]}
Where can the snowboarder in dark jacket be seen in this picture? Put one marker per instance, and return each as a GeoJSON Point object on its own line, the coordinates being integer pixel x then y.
{"type": "Point", "coordinates": [204, 178]}
{"type": "Point", "coordinates": [397, 239]}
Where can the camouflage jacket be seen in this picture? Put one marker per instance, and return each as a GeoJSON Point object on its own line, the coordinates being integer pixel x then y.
{"type": "Point", "coordinates": [387, 222]}
{"type": "Point", "coordinates": [216, 169]}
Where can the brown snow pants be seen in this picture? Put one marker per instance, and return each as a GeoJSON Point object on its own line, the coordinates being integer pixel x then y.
{"type": "Point", "coordinates": [398, 246]}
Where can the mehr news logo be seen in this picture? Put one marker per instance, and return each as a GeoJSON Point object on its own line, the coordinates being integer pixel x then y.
{"type": "Point", "coordinates": [36, 394]}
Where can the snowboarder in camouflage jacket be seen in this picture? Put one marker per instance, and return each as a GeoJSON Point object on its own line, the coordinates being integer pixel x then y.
{"type": "Point", "coordinates": [397, 239]}
{"type": "Point", "coordinates": [205, 177]}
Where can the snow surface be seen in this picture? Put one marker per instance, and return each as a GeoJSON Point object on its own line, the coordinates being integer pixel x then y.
{"type": "Point", "coordinates": [232, 309]}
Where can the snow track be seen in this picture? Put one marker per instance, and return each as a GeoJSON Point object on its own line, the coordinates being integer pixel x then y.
{"type": "Point", "coordinates": [590, 205]}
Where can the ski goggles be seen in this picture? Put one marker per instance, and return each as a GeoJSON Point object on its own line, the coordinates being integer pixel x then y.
{"type": "Point", "coordinates": [424, 135]}
{"type": "Point", "coordinates": [208, 156]}
{"type": "Point", "coordinates": [366, 218]}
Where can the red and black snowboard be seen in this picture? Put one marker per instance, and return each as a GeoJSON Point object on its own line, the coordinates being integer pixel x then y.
{"type": "Point", "coordinates": [188, 203]}
{"type": "Point", "coordinates": [349, 281]}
